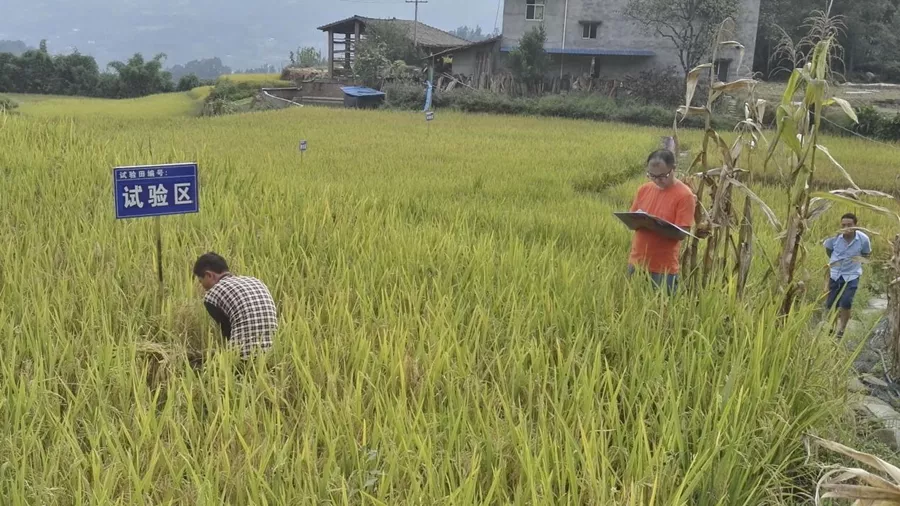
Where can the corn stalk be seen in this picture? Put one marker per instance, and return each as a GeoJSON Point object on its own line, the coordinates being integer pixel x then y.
{"type": "Point", "coordinates": [894, 306]}
{"type": "Point", "coordinates": [798, 133]}
{"type": "Point", "coordinates": [718, 221]}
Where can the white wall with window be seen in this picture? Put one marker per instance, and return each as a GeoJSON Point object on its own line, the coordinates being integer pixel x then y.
{"type": "Point", "coordinates": [534, 10]}
{"type": "Point", "coordinates": [589, 29]}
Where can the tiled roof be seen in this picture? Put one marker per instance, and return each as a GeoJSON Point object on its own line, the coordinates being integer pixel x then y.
{"type": "Point", "coordinates": [428, 36]}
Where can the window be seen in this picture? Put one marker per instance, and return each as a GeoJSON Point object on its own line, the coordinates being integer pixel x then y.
{"type": "Point", "coordinates": [721, 69]}
{"type": "Point", "coordinates": [589, 30]}
{"type": "Point", "coordinates": [534, 10]}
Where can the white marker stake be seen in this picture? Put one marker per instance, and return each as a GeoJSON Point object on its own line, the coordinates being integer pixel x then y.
{"type": "Point", "coordinates": [302, 150]}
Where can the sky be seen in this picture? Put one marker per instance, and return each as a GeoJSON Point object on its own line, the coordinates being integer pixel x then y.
{"type": "Point", "coordinates": [185, 30]}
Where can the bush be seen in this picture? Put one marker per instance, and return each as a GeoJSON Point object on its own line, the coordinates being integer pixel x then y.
{"type": "Point", "coordinates": [573, 105]}
{"type": "Point", "coordinates": [7, 104]}
{"type": "Point", "coordinates": [188, 82]}
{"type": "Point", "coordinates": [872, 124]}
{"type": "Point", "coordinates": [218, 107]}
{"type": "Point", "coordinates": [870, 121]}
{"type": "Point", "coordinates": [662, 86]}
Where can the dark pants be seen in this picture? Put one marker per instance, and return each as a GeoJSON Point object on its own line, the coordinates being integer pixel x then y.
{"type": "Point", "coordinates": [841, 292]}
{"type": "Point", "coordinates": [671, 280]}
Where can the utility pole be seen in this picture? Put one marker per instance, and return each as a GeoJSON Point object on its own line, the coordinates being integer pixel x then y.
{"type": "Point", "coordinates": [416, 24]}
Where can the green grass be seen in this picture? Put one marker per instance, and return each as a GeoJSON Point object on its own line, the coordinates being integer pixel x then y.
{"type": "Point", "coordinates": [456, 327]}
{"type": "Point", "coordinates": [885, 98]}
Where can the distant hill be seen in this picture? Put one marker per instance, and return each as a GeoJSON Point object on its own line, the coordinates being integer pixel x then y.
{"type": "Point", "coordinates": [16, 47]}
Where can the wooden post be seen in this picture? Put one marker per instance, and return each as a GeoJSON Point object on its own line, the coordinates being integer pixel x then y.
{"type": "Point", "coordinates": [356, 33]}
{"type": "Point", "coordinates": [893, 309]}
{"type": "Point", "coordinates": [330, 54]}
{"type": "Point", "coordinates": [347, 65]}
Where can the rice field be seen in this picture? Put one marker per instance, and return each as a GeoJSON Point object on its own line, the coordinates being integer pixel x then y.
{"type": "Point", "coordinates": [261, 79]}
{"type": "Point", "coordinates": [456, 325]}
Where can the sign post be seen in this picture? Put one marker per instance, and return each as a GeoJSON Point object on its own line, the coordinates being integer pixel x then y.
{"type": "Point", "coordinates": [429, 117]}
{"type": "Point", "coordinates": [302, 150]}
{"type": "Point", "coordinates": [152, 191]}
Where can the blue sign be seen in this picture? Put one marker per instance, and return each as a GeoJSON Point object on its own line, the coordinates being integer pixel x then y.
{"type": "Point", "coordinates": [429, 116]}
{"type": "Point", "coordinates": [156, 190]}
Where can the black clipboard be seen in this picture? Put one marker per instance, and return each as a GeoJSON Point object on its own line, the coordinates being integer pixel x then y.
{"type": "Point", "coordinates": [640, 219]}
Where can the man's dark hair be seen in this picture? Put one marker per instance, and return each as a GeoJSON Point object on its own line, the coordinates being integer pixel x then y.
{"type": "Point", "coordinates": [210, 262]}
{"type": "Point", "coordinates": [662, 155]}
{"type": "Point", "coordinates": [850, 216]}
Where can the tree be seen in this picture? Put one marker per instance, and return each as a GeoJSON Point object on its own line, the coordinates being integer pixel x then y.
{"type": "Point", "coordinates": [385, 45]}
{"type": "Point", "coordinates": [476, 35]}
{"type": "Point", "coordinates": [206, 68]}
{"type": "Point", "coordinates": [188, 82]}
{"type": "Point", "coordinates": [14, 47]}
{"type": "Point", "coordinates": [870, 40]}
{"type": "Point", "coordinates": [309, 57]}
{"type": "Point", "coordinates": [138, 78]}
{"type": "Point", "coordinates": [38, 74]}
{"type": "Point", "coordinates": [76, 74]}
{"type": "Point", "coordinates": [689, 24]}
{"type": "Point", "coordinates": [529, 62]}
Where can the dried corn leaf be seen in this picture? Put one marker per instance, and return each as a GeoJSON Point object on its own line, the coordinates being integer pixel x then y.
{"type": "Point", "coordinates": [859, 492]}
{"type": "Point", "coordinates": [761, 110]}
{"type": "Point", "coordinates": [734, 86]}
{"type": "Point", "coordinates": [817, 207]}
{"type": "Point", "coordinates": [732, 43]}
{"type": "Point", "coordinates": [693, 78]}
{"type": "Point", "coordinates": [840, 167]}
{"type": "Point", "coordinates": [844, 105]}
{"type": "Point", "coordinates": [773, 218]}
{"type": "Point", "coordinates": [857, 192]}
{"type": "Point", "coordinates": [845, 474]}
{"type": "Point", "coordinates": [692, 111]}
{"type": "Point", "coordinates": [861, 229]}
{"type": "Point", "coordinates": [865, 458]}
{"type": "Point", "coordinates": [723, 147]}
{"type": "Point", "coordinates": [840, 197]}
{"type": "Point", "coordinates": [736, 149]}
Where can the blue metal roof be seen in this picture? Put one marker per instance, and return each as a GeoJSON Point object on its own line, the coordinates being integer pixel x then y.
{"type": "Point", "coordinates": [361, 91]}
{"type": "Point", "coordinates": [593, 52]}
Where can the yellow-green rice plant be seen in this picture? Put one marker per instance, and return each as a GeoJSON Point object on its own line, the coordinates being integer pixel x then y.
{"type": "Point", "coordinates": [456, 324]}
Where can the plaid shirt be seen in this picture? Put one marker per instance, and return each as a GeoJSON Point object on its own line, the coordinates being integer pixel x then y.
{"type": "Point", "coordinates": [245, 310]}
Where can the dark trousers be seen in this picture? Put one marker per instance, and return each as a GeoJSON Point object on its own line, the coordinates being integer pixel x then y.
{"type": "Point", "coordinates": [670, 280]}
{"type": "Point", "coordinates": [841, 292]}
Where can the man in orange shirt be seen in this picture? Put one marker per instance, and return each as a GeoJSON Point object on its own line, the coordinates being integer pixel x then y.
{"type": "Point", "coordinates": [668, 198]}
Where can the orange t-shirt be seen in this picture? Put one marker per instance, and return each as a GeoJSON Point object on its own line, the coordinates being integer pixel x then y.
{"type": "Point", "coordinates": [675, 204]}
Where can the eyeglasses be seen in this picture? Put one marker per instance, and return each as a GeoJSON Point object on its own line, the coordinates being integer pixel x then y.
{"type": "Point", "coordinates": [660, 177]}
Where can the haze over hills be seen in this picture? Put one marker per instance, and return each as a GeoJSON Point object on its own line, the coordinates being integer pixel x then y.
{"type": "Point", "coordinates": [241, 35]}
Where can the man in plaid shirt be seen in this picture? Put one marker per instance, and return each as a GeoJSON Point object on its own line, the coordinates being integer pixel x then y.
{"type": "Point", "coordinates": [242, 305]}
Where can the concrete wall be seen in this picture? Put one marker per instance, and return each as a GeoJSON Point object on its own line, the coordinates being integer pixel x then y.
{"type": "Point", "coordinates": [465, 61]}
{"type": "Point", "coordinates": [608, 66]}
{"type": "Point", "coordinates": [615, 31]}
